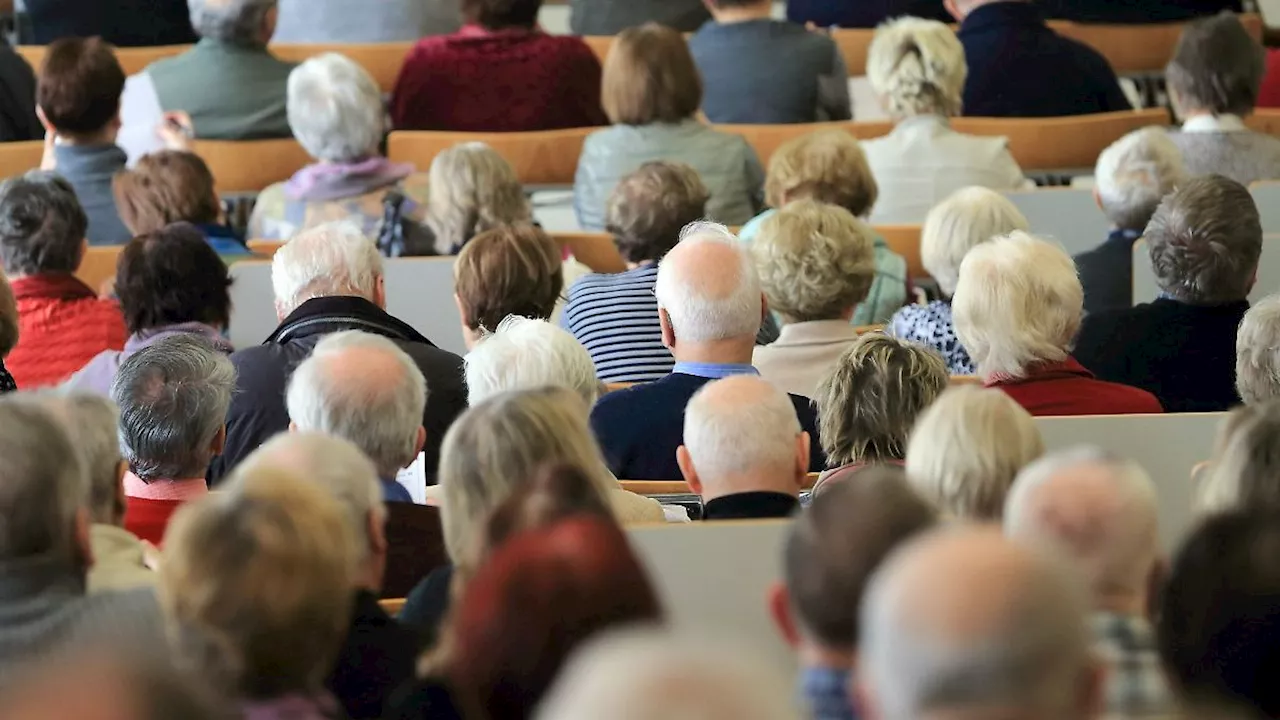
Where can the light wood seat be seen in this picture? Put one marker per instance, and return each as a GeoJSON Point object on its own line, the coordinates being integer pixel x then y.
{"type": "Point", "coordinates": [854, 44]}
{"type": "Point", "coordinates": [1061, 143]}
{"type": "Point", "coordinates": [132, 59]}
{"type": "Point", "coordinates": [382, 60]}
{"type": "Point", "coordinates": [680, 487]}
{"type": "Point", "coordinates": [392, 606]}
{"type": "Point", "coordinates": [265, 248]}
{"type": "Point", "coordinates": [547, 157]}
{"type": "Point", "coordinates": [766, 139]}
{"type": "Point", "coordinates": [905, 240]}
{"type": "Point", "coordinates": [249, 166]}
{"type": "Point", "coordinates": [964, 380]}
{"type": "Point", "coordinates": [98, 268]}
{"type": "Point", "coordinates": [595, 250]}
{"type": "Point", "coordinates": [1138, 49]}
{"type": "Point", "coordinates": [1265, 120]}
{"type": "Point", "coordinates": [17, 158]}
{"type": "Point", "coordinates": [599, 44]}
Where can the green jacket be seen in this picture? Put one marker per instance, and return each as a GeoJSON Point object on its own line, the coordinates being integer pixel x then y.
{"type": "Point", "coordinates": [233, 92]}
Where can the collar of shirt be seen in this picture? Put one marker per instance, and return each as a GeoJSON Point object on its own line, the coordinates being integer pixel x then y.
{"type": "Point", "coordinates": [182, 489]}
{"type": "Point", "coordinates": [825, 691]}
{"type": "Point", "coordinates": [1214, 123]}
{"type": "Point", "coordinates": [758, 504]}
{"type": "Point", "coordinates": [714, 371]}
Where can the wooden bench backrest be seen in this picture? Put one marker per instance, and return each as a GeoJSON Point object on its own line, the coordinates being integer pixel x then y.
{"type": "Point", "coordinates": [905, 240]}
{"type": "Point", "coordinates": [17, 158]}
{"type": "Point", "coordinates": [249, 166]}
{"type": "Point", "coordinates": [548, 157]}
{"type": "Point", "coordinates": [1062, 142]}
{"type": "Point", "coordinates": [766, 139]}
{"type": "Point", "coordinates": [1138, 49]}
{"type": "Point", "coordinates": [98, 268]}
{"type": "Point", "coordinates": [381, 60]}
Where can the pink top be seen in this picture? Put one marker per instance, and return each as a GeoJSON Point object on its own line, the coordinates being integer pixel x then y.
{"type": "Point", "coordinates": [191, 489]}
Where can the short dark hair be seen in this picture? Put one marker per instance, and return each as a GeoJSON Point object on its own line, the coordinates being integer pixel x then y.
{"type": "Point", "coordinates": [172, 276]}
{"type": "Point", "coordinates": [165, 187]}
{"type": "Point", "coordinates": [1217, 66]}
{"type": "Point", "coordinates": [1205, 239]}
{"type": "Point", "coordinates": [42, 225]}
{"type": "Point", "coordinates": [80, 85]}
{"type": "Point", "coordinates": [649, 207]}
{"type": "Point", "coordinates": [497, 14]}
{"type": "Point", "coordinates": [835, 546]}
{"type": "Point", "coordinates": [511, 270]}
{"type": "Point", "coordinates": [1219, 627]}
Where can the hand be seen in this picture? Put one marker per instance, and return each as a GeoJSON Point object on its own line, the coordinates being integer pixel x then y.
{"type": "Point", "coordinates": [176, 131]}
{"type": "Point", "coordinates": [49, 160]}
{"type": "Point", "coordinates": [150, 556]}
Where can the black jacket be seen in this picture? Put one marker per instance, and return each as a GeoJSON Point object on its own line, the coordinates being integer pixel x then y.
{"type": "Point", "coordinates": [125, 23]}
{"type": "Point", "coordinates": [18, 119]}
{"type": "Point", "coordinates": [1106, 272]}
{"type": "Point", "coordinates": [1130, 12]}
{"type": "Point", "coordinates": [753, 505]}
{"type": "Point", "coordinates": [377, 656]}
{"type": "Point", "coordinates": [262, 374]}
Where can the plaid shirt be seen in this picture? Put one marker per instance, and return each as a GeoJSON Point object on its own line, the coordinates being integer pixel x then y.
{"type": "Point", "coordinates": [1135, 685]}
{"type": "Point", "coordinates": [825, 692]}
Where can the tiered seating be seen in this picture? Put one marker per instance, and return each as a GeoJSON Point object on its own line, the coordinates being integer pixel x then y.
{"type": "Point", "coordinates": [1069, 216]}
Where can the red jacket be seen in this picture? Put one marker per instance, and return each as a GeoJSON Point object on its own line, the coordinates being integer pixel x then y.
{"type": "Point", "coordinates": [148, 519]}
{"type": "Point", "coordinates": [478, 80]}
{"type": "Point", "coordinates": [1269, 93]}
{"type": "Point", "coordinates": [1067, 388]}
{"type": "Point", "coordinates": [62, 325]}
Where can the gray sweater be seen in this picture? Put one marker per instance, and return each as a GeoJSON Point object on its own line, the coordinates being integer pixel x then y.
{"type": "Point", "coordinates": [1244, 156]}
{"type": "Point", "coordinates": [364, 21]}
{"type": "Point", "coordinates": [90, 169]}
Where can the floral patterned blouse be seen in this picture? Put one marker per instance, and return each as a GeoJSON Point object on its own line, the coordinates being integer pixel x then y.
{"type": "Point", "coordinates": [930, 325]}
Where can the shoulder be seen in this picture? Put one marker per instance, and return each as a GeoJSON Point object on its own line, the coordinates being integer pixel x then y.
{"type": "Point", "coordinates": [432, 359]}
{"type": "Point", "coordinates": [1086, 57]}
{"type": "Point", "coordinates": [570, 46]}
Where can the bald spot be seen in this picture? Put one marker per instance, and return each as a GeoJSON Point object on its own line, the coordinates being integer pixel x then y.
{"type": "Point", "coordinates": [709, 269]}
{"type": "Point", "coordinates": [740, 393]}
{"type": "Point", "coordinates": [362, 367]}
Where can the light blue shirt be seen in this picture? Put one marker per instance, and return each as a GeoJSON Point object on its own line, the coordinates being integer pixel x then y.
{"type": "Point", "coordinates": [715, 371]}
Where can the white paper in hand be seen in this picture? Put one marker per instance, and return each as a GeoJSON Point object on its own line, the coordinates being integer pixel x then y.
{"type": "Point", "coordinates": [414, 479]}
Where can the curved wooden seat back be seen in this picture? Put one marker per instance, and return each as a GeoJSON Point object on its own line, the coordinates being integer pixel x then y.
{"type": "Point", "coordinates": [1062, 142]}
{"type": "Point", "coordinates": [547, 157]}
{"type": "Point", "coordinates": [249, 166]}
{"type": "Point", "coordinates": [17, 158]}
{"type": "Point", "coordinates": [905, 240]}
{"type": "Point", "coordinates": [98, 268]}
{"type": "Point", "coordinates": [382, 60]}
{"type": "Point", "coordinates": [766, 139]}
{"type": "Point", "coordinates": [1138, 49]}
{"type": "Point", "coordinates": [132, 59]}
{"type": "Point", "coordinates": [595, 250]}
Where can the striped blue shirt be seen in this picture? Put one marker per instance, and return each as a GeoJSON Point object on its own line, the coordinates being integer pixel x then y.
{"type": "Point", "coordinates": [615, 317]}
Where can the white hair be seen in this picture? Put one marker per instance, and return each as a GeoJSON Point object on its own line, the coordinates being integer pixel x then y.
{"type": "Point", "coordinates": [335, 109]}
{"type": "Point", "coordinates": [750, 432]}
{"type": "Point", "coordinates": [1018, 302]}
{"type": "Point", "coordinates": [655, 674]}
{"type": "Point", "coordinates": [966, 218]}
{"type": "Point", "coordinates": [918, 67]}
{"type": "Point", "coordinates": [378, 410]}
{"type": "Point", "coordinates": [682, 291]}
{"type": "Point", "coordinates": [1134, 173]}
{"type": "Point", "coordinates": [93, 420]}
{"type": "Point", "coordinates": [325, 261]}
{"type": "Point", "coordinates": [240, 22]}
{"type": "Point", "coordinates": [527, 353]}
{"type": "Point", "coordinates": [1258, 352]}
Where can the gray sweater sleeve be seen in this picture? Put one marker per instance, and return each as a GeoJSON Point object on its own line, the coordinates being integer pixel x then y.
{"type": "Point", "coordinates": [834, 102]}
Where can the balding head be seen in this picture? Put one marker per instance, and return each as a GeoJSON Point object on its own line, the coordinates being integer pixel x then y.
{"type": "Point", "coordinates": [1098, 509]}
{"type": "Point", "coordinates": [964, 623]}
{"type": "Point", "coordinates": [741, 434]}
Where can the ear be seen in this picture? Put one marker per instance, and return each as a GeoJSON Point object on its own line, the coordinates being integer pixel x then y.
{"type": "Point", "coordinates": [953, 10]}
{"type": "Point", "coordinates": [219, 440]}
{"type": "Point", "coordinates": [44, 120]}
{"type": "Point", "coordinates": [80, 543]}
{"type": "Point", "coordinates": [861, 696]}
{"type": "Point", "coordinates": [122, 467]}
{"type": "Point", "coordinates": [1097, 197]}
{"type": "Point", "coordinates": [420, 443]}
{"type": "Point", "coordinates": [293, 426]}
{"type": "Point", "coordinates": [668, 332]}
{"type": "Point", "coordinates": [685, 461]}
{"type": "Point", "coordinates": [380, 292]}
{"type": "Point", "coordinates": [803, 443]}
{"type": "Point", "coordinates": [377, 530]}
{"type": "Point", "coordinates": [780, 611]}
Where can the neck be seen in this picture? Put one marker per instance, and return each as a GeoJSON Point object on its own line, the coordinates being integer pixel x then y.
{"type": "Point", "coordinates": [814, 654]}
{"type": "Point", "coordinates": [105, 136]}
{"type": "Point", "coordinates": [734, 351]}
{"type": "Point", "coordinates": [758, 11]}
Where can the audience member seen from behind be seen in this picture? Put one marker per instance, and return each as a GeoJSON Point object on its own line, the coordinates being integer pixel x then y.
{"type": "Point", "coordinates": [335, 112]}
{"type": "Point", "coordinates": [652, 93]}
{"type": "Point", "coordinates": [710, 307]}
{"type": "Point", "coordinates": [1205, 240]}
{"type": "Point", "coordinates": [1218, 616]}
{"type": "Point", "coordinates": [829, 166]}
{"type": "Point", "coordinates": [1132, 176]}
{"type": "Point", "coordinates": [744, 453]}
{"type": "Point", "coordinates": [473, 190]}
{"type": "Point", "coordinates": [606, 17]}
{"type": "Point", "coordinates": [615, 315]}
{"type": "Point", "coordinates": [175, 186]}
{"type": "Point", "coordinates": [9, 328]}
{"type": "Point", "coordinates": [378, 653]}
{"type": "Point", "coordinates": [1214, 79]}
{"type": "Point", "coordinates": [353, 21]}
{"type": "Point", "coordinates": [499, 73]}
{"type": "Point", "coordinates": [18, 120]}
{"type": "Point", "coordinates": [79, 103]}
{"type": "Point", "coordinates": [62, 324]}
{"type": "Point", "coordinates": [1258, 353]}
{"type": "Point", "coordinates": [251, 592]}
{"type": "Point", "coordinates": [1243, 471]}
{"type": "Point", "coordinates": [1017, 308]}
{"type": "Point", "coordinates": [763, 71]}
{"type": "Point", "coordinates": [503, 272]}
{"type": "Point", "coordinates": [173, 397]}
{"type": "Point", "coordinates": [831, 551]}
{"type": "Point", "coordinates": [836, 13]}
{"type": "Point", "coordinates": [966, 450]}
{"type": "Point", "coordinates": [363, 388]}
{"type": "Point", "coordinates": [1100, 512]}
{"type": "Point", "coordinates": [917, 67]}
{"type": "Point", "coordinates": [816, 264]}
{"type": "Point", "coordinates": [967, 217]}
{"type": "Point", "coordinates": [169, 282]}
{"type": "Point", "coordinates": [870, 400]}
{"type": "Point", "coordinates": [1020, 67]}
{"type": "Point", "coordinates": [524, 353]}
{"type": "Point", "coordinates": [964, 623]}
{"type": "Point", "coordinates": [326, 280]}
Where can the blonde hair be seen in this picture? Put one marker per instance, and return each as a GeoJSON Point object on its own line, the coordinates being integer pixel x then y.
{"type": "Point", "coordinates": [828, 166]}
{"type": "Point", "coordinates": [472, 189]}
{"type": "Point", "coordinates": [256, 585]}
{"type": "Point", "coordinates": [1258, 352]}
{"type": "Point", "coordinates": [967, 449]}
{"type": "Point", "coordinates": [917, 67]}
{"type": "Point", "coordinates": [815, 261]}
{"type": "Point", "coordinates": [1018, 303]}
{"type": "Point", "coordinates": [649, 77]}
{"type": "Point", "coordinates": [1245, 472]}
{"type": "Point", "coordinates": [964, 219]}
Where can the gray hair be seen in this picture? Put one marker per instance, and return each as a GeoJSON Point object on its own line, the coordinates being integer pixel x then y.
{"type": "Point", "coordinates": [1205, 240]}
{"type": "Point", "coordinates": [1217, 67]}
{"type": "Point", "coordinates": [682, 292]}
{"type": "Point", "coordinates": [472, 189]}
{"type": "Point", "coordinates": [965, 218]}
{"type": "Point", "coordinates": [918, 67]}
{"type": "Point", "coordinates": [94, 421]}
{"type": "Point", "coordinates": [42, 225]}
{"type": "Point", "coordinates": [527, 353]}
{"type": "Point", "coordinates": [750, 430]}
{"type": "Point", "coordinates": [335, 109]}
{"type": "Point", "coordinates": [240, 22]}
{"type": "Point", "coordinates": [173, 397]}
{"type": "Point", "coordinates": [1258, 352]}
{"type": "Point", "coordinates": [375, 402]}
{"type": "Point", "coordinates": [1134, 173]}
{"type": "Point", "coordinates": [42, 482]}
{"type": "Point", "coordinates": [329, 260]}
{"type": "Point", "coordinates": [1245, 472]}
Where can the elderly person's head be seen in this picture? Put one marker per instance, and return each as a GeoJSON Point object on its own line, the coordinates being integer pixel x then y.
{"type": "Point", "coordinates": [1100, 511]}
{"type": "Point", "coordinates": [649, 207]}
{"type": "Point", "coordinates": [1217, 68]}
{"type": "Point", "coordinates": [709, 298]}
{"type": "Point", "coordinates": [526, 353]}
{"type": "Point", "coordinates": [1245, 470]}
{"type": "Point", "coordinates": [78, 93]}
{"type": "Point", "coordinates": [741, 434]}
{"type": "Point", "coordinates": [43, 488]}
{"type": "Point", "coordinates": [1205, 239]}
{"type": "Point", "coordinates": [330, 260]}
{"type": "Point", "coordinates": [827, 166]}
{"type": "Point", "coordinates": [335, 109]}
{"type": "Point", "coordinates": [473, 189]}
{"type": "Point", "coordinates": [1258, 353]}
{"type": "Point", "coordinates": [965, 623]}
{"type": "Point", "coordinates": [968, 447]}
{"type": "Point", "coordinates": [499, 14]}
{"type": "Point", "coordinates": [917, 67]}
{"type": "Point", "coordinates": [172, 277]}
{"type": "Point", "coordinates": [650, 77]}
{"type": "Point", "coordinates": [93, 420]}
{"type": "Point", "coordinates": [173, 397]}
{"type": "Point", "coordinates": [1018, 303]}
{"type": "Point", "coordinates": [249, 587]}
{"type": "Point", "coordinates": [1134, 174]}
{"type": "Point", "coordinates": [166, 187]}
{"type": "Point", "coordinates": [9, 328]}
{"type": "Point", "coordinates": [816, 262]}
{"type": "Point", "coordinates": [870, 400]}
{"type": "Point", "coordinates": [967, 217]}
{"type": "Point", "coordinates": [363, 388]}
{"type": "Point", "coordinates": [513, 270]}
{"type": "Point", "coordinates": [247, 23]}
{"type": "Point", "coordinates": [42, 226]}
